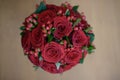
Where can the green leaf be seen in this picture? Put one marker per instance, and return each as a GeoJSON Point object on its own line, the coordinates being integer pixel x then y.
{"type": "Point", "coordinates": [41, 7]}
{"type": "Point", "coordinates": [67, 13]}
{"type": "Point", "coordinates": [22, 28]}
{"type": "Point", "coordinates": [76, 22]}
{"type": "Point", "coordinates": [88, 29]}
{"type": "Point", "coordinates": [22, 33]}
{"type": "Point", "coordinates": [52, 30]}
{"type": "Point", "coordinates": [35, 67]}
{"type": "Point", "coordinates": [75, 8]}
{"type": "Point", "coordinates": [32, 27]}
{"type": "Point", "coordinates": [82, 59]}
{"type": "Point", "coordinates": [92, 37]}
{"type": "Point", "coordinates": [90, 49]}
{"type": "Point", "coordinates": [58, 65]}
{"type": "Point", "coordinates": [36, 23]}
{"type": "Point", "coordinates": [39, 54]}
{"type": "Point", "coordinates": [50, 37]}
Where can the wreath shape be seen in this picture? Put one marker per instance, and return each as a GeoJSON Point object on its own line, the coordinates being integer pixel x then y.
{"type": "Point", "coordinates": [56, 38]}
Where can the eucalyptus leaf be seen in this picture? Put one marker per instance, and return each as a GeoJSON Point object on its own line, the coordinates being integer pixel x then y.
{"type": "Point", "coordinates": [41, 7]}
{"type": "Point", "coordinates": [75, 8]}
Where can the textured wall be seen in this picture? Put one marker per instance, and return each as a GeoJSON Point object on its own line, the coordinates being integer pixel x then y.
{"type": "Point", "coordinates": [104, 64]}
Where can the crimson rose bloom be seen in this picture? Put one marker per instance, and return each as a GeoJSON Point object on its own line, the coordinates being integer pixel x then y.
{"type": "Point", "coordinates": [75, 14]}
{"type": "Point", "coordinates": [63, 27]}
{"type": "Point", "coordinates": [52, 7]}
{"type": "Point", "coordinates": [46, 16]}
{"type": "Point", "coordinates": [79, 38]}
{"type": "Point", "coordinates": [33, 59]}
{"type": "Point", "coordinates": [26, 41]}
{"type": "Point", "coordinates": [68, 66]}
{"type": "Point", "coordinates": [53, 52]}
{"type": "Point", "coordinates": [50, 67]}
{"type": "Point", "coordinates": [37, 38]}
{"type": "Point", "coordinates": [73, 56]}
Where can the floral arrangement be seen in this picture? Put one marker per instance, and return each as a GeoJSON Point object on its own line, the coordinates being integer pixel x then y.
{"type": "Point", "coordinates": [56, 38]}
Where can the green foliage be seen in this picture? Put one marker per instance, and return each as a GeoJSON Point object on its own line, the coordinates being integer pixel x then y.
{"type": "Point", "coordinates": [35, 67]}
{"type": "Point", "coordinates": [76, 22]}
{"type": "Point", "coordinates": [58, 65]}
{"type": "Point", "coordinates": [39, 54]}
{"type": "Point", "coordinates": [50, 37]}
{"type": "Point", "coordinates": [92, 37]}
{"type": "Point", "coordinates": [67, 39]}
{"type": "Point", "coordinates": [67, 13]}
{"type": "Point", "coordinates": [90, 49]}
{"type": "Point", "coordinates": [41, 7]}
{"type": "Point", "coordinates": [22, 33]}
{"type": "Point", "coordinates": [88, 29]}
{"type": "Point", "coordinates": [75, 8]}
{"type": "Point", "coordinates": [22, 28]}
{"type": "Point", "coordinates": [52, 30]}
{"type": "Point", "coordinates": [82, 59]}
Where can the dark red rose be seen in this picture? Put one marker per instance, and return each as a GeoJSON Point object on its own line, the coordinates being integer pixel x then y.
{"type": "Point", "coordinates": [79, 38]}
{"type": "Point", "coordinates": [73, 56]}
{"type": "Point", "coordinates": [75, 14]}
{"type": "Point", "coordinates": [46, 16]}
{"type": "Point", "coordinates": [37, 38]}
{"type": "Point", "coordinates": [33, 59]}
{"type": "Point", "coordinates": [26, 40]}
{"type": "Point", "coordinates": [52, 7]}
{"type": "Point", "coordinates": [53, 52]}
{"type": "Point", "coordinates": [50, 67]}
{"type": "Point", "coordinates": [83, 24]}
{"type": "Point", "coordinates": [68, 66]}
{"type": "Point", "coordinates": [63, 27]}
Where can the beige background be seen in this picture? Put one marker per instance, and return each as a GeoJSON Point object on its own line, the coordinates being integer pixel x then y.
{"type": "Point", "coordinates": [104, 64]}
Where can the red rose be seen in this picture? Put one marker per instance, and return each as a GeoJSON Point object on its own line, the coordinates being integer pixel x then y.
{"type": "Point", "coordinates": [63, 27]}
{"type": "Point", "coordinates": [54, 8]}
{"type": "Point", "coordinates": [53, 52]}
{"type": "Point", "coordinates": [37, 38]}
{"type": "Point", "coordinates": [33, 59]}
{"type": "Point", "coordinates": [75, 14]}
{"type": "Point", "coordinates": [50, 67]}
{"type": "Point", "coordinates": [26, 40]}
{"type": "Point", "coordinates": [46, 16]}
{"type": "Point", "coordinates": [73, 56]}
{"type": "Point", "coordinates": [79, 38]}
{"type": "Point", "coordinates": [68, 66]}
